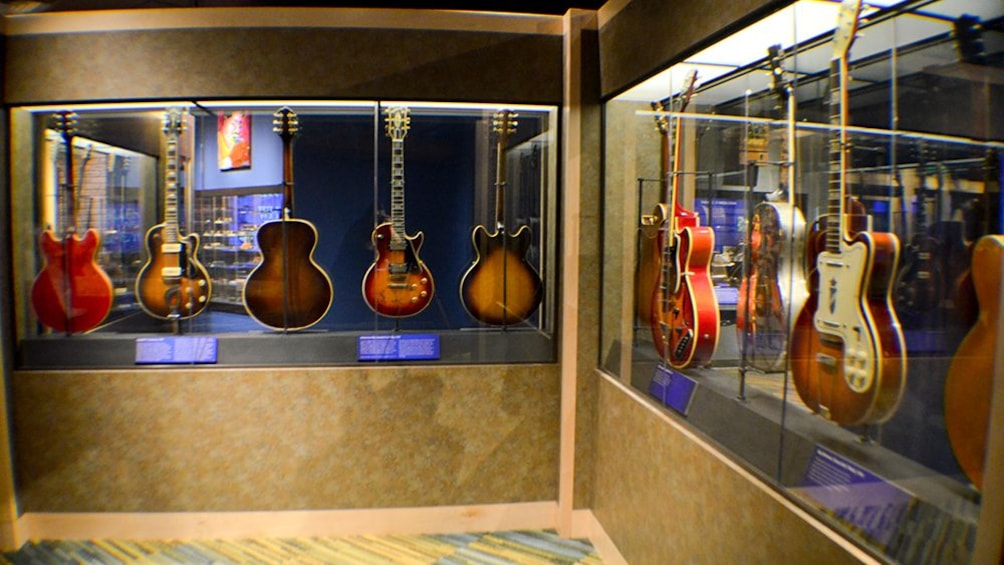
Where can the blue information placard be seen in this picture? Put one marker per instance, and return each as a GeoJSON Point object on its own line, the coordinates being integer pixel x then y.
{"type": "Point", "coordinates": [404, 347]}
{"type": "Point", "coordinates": [855, 495]}
{"type": "Point", "coordinates": [673, 388]}
{"type": "Point", "coordinates": [175, 350]}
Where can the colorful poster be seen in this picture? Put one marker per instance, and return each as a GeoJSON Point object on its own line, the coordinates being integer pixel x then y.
{"type": "Point", "coordinates": [233, 136]}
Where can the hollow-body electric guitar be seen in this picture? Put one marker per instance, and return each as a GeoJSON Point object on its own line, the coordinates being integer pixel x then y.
{"type": "Point", "coordinates": [173, 284]}
{"type": "Point", "coordinates": [287, 290]}
{"type": "Point", "coordinates": [969, 382]}
{"type": "Point", "coordinates": [774, 290]}
{"type": "Point", "coordinates": [71, 293]}
{"type": "Point", "coordinates": [397, 283]}
{"type": "Point", "coordinates": [848, 358]}
{"type": "Point", "coordinates": [501, 288]}
{"type": "Point", "coordinates": [684, 313]}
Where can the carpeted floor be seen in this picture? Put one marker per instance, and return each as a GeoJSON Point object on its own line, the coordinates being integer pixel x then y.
{"type": "Point", "coordinates": [498, 548]}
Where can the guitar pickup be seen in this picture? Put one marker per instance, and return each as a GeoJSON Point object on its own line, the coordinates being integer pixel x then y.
{"type": "Point", "coordinates": [684, 342]}
{"type": "Point", "coordinates": [837, 264]}
{"type": "Point", "coordinates": [826, 360]}
{"type": "Point", "coordinates": [170, 272]}
{"type": "Point", "coordinates": [170, 248]}
{"type": "Point", "coordinates": [397, 268]}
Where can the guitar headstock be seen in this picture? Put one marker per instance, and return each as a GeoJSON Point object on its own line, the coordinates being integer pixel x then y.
{"type": "Point", "coordinates": [398, 122]}
{"type": "Point", "coordinates": [847, 27]}
{"type": "Point", "coordinates": [504, 124]}
{"type": "Point", "coordinates": [665, 105]}
{"type": "Point", "coordinates": [174, 122]}
{"type": "Point", "coordinates": [778, 85]}
{"type": "Point", "coordinates": [65, 123]}
{"type": "Point", "coordinates": [286, 123]}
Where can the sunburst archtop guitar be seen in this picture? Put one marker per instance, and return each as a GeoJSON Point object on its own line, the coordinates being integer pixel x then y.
{"type": "Point", "coordinates": [71, 293]}
{"type": "Point", "coordinates": [397, 283]}
{"type": "Point", "coordinates": [288, 290]}
{"type": "Point", "coordinates": [173, 284]}
{"type": "Point", "coordinates": [848, 358]}
{"type": "Point", "coordinates": [501, 288]}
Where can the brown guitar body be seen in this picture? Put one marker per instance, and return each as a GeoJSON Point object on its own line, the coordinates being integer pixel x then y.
{"type": "Point", "coordinates": [287, 290]}
{"type": "Point", "coordinates": [165, 295]}
{"type": "Point", "coordinates": [397, 284]}
{"type": "Point", "coordinates": [969, 383]}
{"type": "Point", "coordinates": [501, 288]}
{"type": "Point", "coordinates": [854, 374]}
{"type": "Point", "coordinates": [71, 293]}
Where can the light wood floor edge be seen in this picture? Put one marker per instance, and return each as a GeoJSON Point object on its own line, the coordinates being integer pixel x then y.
{"type": "Point", "coordinates": [291, 523]}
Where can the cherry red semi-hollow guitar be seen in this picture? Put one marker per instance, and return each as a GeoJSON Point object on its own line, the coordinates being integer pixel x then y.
{"type": "Point", "coordinates": [684, 313]}
{"type": "Point", "coordinates": [848, 358]}
{"type": "Point", "coordinates": [71, 293]}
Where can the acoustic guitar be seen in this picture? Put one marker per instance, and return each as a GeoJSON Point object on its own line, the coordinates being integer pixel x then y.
{"type": "Point", "coordinates": [501, 288]}
{"type": "Point", "coordinates": [848, 358]}
{"type": "Point", "coordinates": [397, 283]}
{"type": "Point", "coordinates": [685, 319]}
{"type": "Point", "coordinates": [287, 290]}
{"type": "Point", "coordinates": [172, 284]}
{"type": "Point", "coordinates": [72, 293]}
{"type": "Point", "coordinates": [774, 288]}
{"type": "Point", "coordinates": [969, 382]}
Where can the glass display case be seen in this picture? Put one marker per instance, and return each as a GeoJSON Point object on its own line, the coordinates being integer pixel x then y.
{"type": "Point", "coordinates": [802, 259]}
{"type": "Point", "coordinates": [275, 233]}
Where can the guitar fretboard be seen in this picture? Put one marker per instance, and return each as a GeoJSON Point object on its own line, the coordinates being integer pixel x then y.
{"type": "Point", "coordinates": [397, 241]}
{"type": "Point", "coordinates": [835, 224]}
{"type": "Point", "coordinates": [171, 189]}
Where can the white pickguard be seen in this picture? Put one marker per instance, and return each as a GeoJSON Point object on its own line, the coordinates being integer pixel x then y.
{"type": "Point", "coordinates": [840, 313]}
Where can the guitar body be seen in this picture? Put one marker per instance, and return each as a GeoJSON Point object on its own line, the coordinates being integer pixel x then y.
{"type": "Point", "coordinates": [919, 288]}
{"type": "Point", "coordinates": [969, 382]}
{"type": "Point", "coordinates": [775, 290]}
{"type": "Point", "coordinates": [397, 284]}
{"type": "Point", "coordinates": [847, 351]}
{"type": "Point", "coordinates": [685, 318]}
{"type": "Point", "coordinates": [71, 293]}
{"type": "Point", "coordinates": [501, 288]}
{"type": "Point", "coordinates": [287, 290]}
{"type": "Point", "coordinates": [172, 285]}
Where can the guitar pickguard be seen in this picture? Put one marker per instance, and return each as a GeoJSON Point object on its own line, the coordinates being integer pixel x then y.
{"type": "Point", "coordinates": [841, 315]}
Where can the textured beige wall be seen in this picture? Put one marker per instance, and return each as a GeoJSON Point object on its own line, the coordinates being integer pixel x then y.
{"type": "Point", "coordinates": [663, 498]}
{"type": "Point", "coordinates": [257, 439]}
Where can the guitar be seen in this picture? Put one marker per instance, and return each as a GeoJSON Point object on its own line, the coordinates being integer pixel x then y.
{"type": "Point", "coordinates": [775, 287]}
{"type": "Point", "coordinates": [969, 380]}
{"type": "Point", "coordinates": [919, 290]}
{"type": "Point", "coordinates": [685, 318]}
{"type": "Point", "coordinates": [287, 290]}
{"type": "Point", "coordinates": [71, 293]}
{"type": "Point", "coordinates": [172, 284]}
{"type": "Point", "coordinates": [501, 287]}
{"type": "Point", "coordinates": [847, 353]}
{"type": "Point", "coordinates": [397, 284]}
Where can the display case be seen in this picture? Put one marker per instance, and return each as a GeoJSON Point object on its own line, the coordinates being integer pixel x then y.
{"type": "Point", "coordinates": [275, 233]}
{"type": "Point", "coordinates": [801, 259]}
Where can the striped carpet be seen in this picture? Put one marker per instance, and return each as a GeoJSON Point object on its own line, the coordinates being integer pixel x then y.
{"type": "Point", "coordinates": [497, 548]}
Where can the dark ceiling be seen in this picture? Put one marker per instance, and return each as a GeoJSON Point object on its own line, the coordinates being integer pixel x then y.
{"type": "Point", "coordinates": [524, 6]}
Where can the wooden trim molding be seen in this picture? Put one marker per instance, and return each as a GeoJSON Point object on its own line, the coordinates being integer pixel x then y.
{"type": "Point", "coordinates": [302, 523]}
{"type": "Point", "coordinates": [195, 18]}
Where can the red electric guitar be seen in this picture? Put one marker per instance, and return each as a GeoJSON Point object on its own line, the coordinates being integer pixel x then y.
{"type": "Point", "coordinates": [848, 358]}
{"type": "Point", "coordinates": [684, 317]}
{"type": "Point", "coordinates": [397, 284]}
{"type": "Point", "coordinates": [71, 293]}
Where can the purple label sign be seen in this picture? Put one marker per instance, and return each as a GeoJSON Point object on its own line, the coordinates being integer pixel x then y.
{"type": "Point", "coordinates": [855, 495]}
{"type": "Point", "coordinates": [674, 389]}
{"type": "Point", "coordinates": [407, 347]}
{"type": "Point", "coordinates": [175, 350]}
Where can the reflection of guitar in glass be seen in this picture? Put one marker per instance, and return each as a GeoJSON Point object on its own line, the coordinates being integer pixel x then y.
{"type": "Point", "coordinates": [968, 385]}
{"type": "Point", "coordinates": [848, 358]}
{"type": "Point", "coordinates": [397, 284]}
{"type": "Point", "coordinates": [173, 284]}
{"type": "Point", "coordinates": [501, 288]}
{"type": "Point", "coordinates": [775, 286]}
{"type": "Point", "coordinates": [71, 293]}
{"type": "Point", "coordinates": [287, 290]}
{"type": "Point", "coordinates": [685, 319]}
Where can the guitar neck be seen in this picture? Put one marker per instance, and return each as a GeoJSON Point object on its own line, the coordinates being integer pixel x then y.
{"type": "Point", "coordinates": [171, 190]}
{"type": "Point", "coordinates": [71, 186]}
{"type": "Point", "coordinates": [287, 176]}
{"type": "Point", "coordinates": [836, 226]}
{"type": "Point", "coordinates": [398, 241]}
{"type": "Point", "coordinates": [500, 183]}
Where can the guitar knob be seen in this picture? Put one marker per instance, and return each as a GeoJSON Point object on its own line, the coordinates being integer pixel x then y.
{"type": "Point", "coordinates": [202, 299]}
{"type": "Point", "coordinates": [425, 280]}
{"type": "Point", "coordinates": [414, 286]}
{"type": "Point", "coordinates": [414, 299]}
{"type": "Point", "coordinates": [423, 294]}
